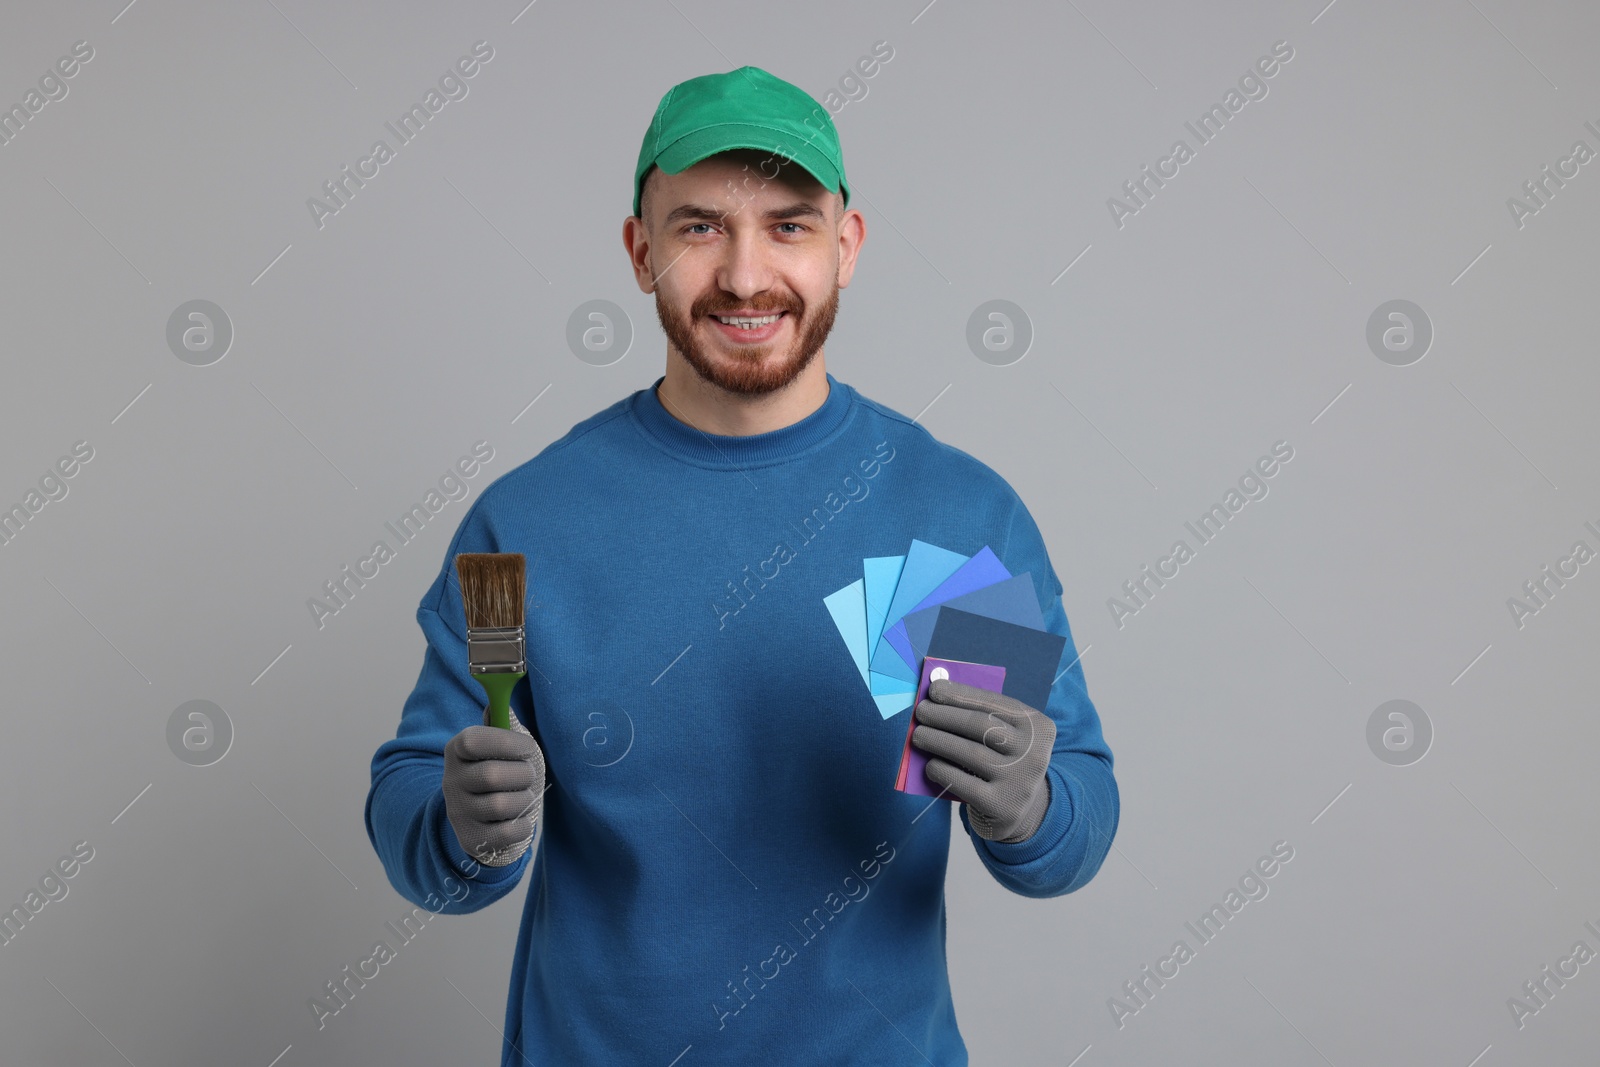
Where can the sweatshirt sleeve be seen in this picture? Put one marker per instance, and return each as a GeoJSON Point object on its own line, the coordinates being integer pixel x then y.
{"type": "Point", "coordinates": [405, 812]}
{"type": "Point", "coordinates": [1070, 844]}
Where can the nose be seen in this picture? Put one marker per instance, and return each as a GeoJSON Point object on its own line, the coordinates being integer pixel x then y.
{"type": "Point", "coordinates": [745, 269]}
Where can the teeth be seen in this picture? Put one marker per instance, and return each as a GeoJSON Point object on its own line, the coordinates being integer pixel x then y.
{"type": "Point", "coordinates": [748, 324]}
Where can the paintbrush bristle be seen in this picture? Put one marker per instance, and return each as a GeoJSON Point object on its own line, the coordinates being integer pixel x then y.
{"type": "Point", "coordinates": [493, 587]}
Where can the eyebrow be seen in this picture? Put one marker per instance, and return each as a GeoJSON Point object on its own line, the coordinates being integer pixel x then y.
{"type": "Point", "coordinates": [700, 213]}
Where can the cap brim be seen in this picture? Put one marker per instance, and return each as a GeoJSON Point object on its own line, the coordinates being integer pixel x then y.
{"type": "Point", "coordinates": [691, 148]}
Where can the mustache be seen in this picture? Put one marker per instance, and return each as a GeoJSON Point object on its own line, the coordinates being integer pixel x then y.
{"type": "Point", "coordinates": [718, 306]}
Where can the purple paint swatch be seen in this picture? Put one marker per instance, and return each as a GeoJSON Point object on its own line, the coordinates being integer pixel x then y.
{"type": "Point", "coordinates": [913, 776]}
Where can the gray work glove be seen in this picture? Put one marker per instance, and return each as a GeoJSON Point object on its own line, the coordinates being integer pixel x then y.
{"type": "Point", "coordinates": [991, 752]}
{"type": "Point", "coordinates": [493, 791]}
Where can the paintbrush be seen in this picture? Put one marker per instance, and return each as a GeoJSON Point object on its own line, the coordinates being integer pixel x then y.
{"type": "Point", "coordinates": [493, 585]}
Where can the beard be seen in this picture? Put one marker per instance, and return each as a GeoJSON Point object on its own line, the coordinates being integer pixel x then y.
{"type": "Point", "coordinates": [750, 370]}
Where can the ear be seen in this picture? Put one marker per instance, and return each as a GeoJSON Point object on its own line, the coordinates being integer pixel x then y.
{"type": "Point", "coordinates": [636, 242]}
{"type": "Point", "coordinates": [852, 234]}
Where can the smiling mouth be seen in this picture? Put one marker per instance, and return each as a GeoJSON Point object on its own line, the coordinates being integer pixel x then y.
{"type": "Point", "coordinates": [748, 322]}
{"type": "Point", "coordinates": [750, 329]}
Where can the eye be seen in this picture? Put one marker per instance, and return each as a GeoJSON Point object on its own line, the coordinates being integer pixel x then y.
{"type": "Point", "coordinates": [797, 227]}
{"type": "Point", "coordinates": [692, 226]}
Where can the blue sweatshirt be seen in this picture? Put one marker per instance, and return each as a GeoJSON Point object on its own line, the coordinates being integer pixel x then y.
{"type": "Point", "coordinates": [725, 870]}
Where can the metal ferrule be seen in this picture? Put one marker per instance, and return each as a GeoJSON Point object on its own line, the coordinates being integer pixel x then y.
{"type": "Point", "coordinates": [497, 650]}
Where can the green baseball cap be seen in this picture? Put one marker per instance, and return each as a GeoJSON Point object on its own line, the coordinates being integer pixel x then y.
{"type": "Point", "coordinates": [744, 108]}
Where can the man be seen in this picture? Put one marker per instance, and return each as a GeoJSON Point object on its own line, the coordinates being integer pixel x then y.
{"type": "Point", "coordinates": [726, 873]}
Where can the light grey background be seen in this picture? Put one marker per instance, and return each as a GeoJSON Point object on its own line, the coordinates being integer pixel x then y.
{"type": "Point", "coordinates": [1228, 314]}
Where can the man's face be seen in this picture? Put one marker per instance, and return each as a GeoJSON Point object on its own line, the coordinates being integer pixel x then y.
{"type": "Point", "coordinates": [745, 234]}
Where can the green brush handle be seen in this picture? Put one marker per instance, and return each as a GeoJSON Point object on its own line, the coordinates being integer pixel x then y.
{"type": "Point", "coordinates": [499, 687]}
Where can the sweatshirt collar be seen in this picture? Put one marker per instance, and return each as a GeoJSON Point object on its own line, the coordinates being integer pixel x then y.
{"type": "Point", "coordinates": [732, 451]}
